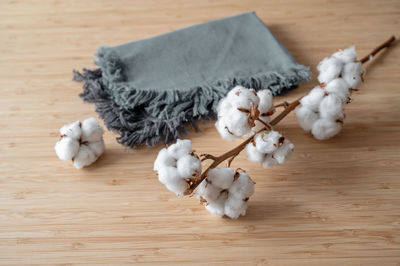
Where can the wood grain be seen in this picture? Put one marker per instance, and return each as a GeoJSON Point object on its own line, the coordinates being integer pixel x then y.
{"type": "Point", "coordinates": [336, 202]}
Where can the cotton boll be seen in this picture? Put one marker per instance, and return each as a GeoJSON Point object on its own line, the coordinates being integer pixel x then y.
{"type": "Point", "coordinates": [325, 128]}
{"type": "Point", "coordinates": [235, 206]}
{"type": "Point", "coordinates": [306, 117]}
{"type": "Point", "coordinates": [284, 152]}
{"type": "Point", "coordinates": [221, 177]}
{"type": "Point", "coordinates": [84, 157]}
{"type": "Point", "coordinates": [188, 166]}
{"type": "Point", "coordinates": [253, 154]}
{"type": "Point", "coordinates": [352, 74]}
{"type": "Point", "coordinates": [243, 186]}
{"type": "Point", "coordinates": [180, 148]}
{"type": "Point", "coordinates": [207, 191]}
{"type": "Point", "coordinates": [223, 130]}
{"type": "Point", "coordinates": [329, 68]}
{"type": "Point", "coordinates": [224, 106]}
{"type": "Point", "coordinates": [268, 143]}
{"type": "Point", "coordinates": [241, 97]}
{"type": "Point", "coordinates": [331, 107]}
{"type": "Point", "coordinates": [97, 147]}
{"type": "Point", "coordinates": [167, 173]}
{"type": "Point", "coordinates": [338, 87]}
{"type": "Point", "coordinates": [313, 99]}
{"type": "Point", "coordinates": [269, 161]}
{"type": "Point", "coordinates": [265, 103]}
{"type": "Point", "coordinates": [177, 185]}
{"type": "Point", "coordinates": [237, 123]}
{"type": "Point", "coordinates": [164, 159]}
{"type": "Point", "coordinates": [91, 130]}
{"type": "Point", "coordinates": [347, 55]}
{"type": "Point", "coordinates": [72, 130]}
{"type": "Point", "coordinates": [66, 148]}
{"type": "Point", "coordinates": [217, 207]}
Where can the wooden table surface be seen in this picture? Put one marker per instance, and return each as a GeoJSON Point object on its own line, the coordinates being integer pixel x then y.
{"type": "Point", "coordinates": [337, 202]}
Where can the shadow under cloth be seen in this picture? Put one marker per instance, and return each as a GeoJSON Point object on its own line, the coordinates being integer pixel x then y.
{"type": "Point", "coordinates": [148, 90]}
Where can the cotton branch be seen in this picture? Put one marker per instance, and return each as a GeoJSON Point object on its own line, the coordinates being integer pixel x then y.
{"type": "Point", "coordinates": [231, 154]}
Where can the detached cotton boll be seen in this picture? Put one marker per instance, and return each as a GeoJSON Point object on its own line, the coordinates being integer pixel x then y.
{"type": "Point", "coordinates": [269, 161]}
{"type": "Point", "coordinates": [66, 148]}
{"type": "Point", "coordinates": [72, 130]}
{"type": "Point", "coordinates": [208, 191]}
{"type": "Point", "coordinates": [221, 177]}
{"type": "Point", "coordinates": [217, 207]}
{"type": "Point", "coordinates": [313, 99]}
{"type": "Point", "coordinates": [268, 143]}
{"type": "Point", "coordinates": [331, 107]}
{"type": "Point", "coordinates": [352, 74]}
{"type": "Point", "coordinates": [306, 117]}
{"type": "Point", "coordinates": [253, 154]}
{"type": "Point", "coordinates": [329, 68]}
{"type": "Point", "coordinates": [338, 87]}
{"type": "Point", "coordinates": [84, 157]}
{"type": "Point", "coordinates": [180, 148]}
{"type": "Point", "coordinates": [265, 103]}
{"type": "Point", "coordinates": [97, 147]}
{"type": "Point", "coordinates": [284, 152]}
{"type": "Point", "coordinates": [243, 186]}
{"type": "Point", "coordinates": [347, 55]}
{"type": "Point", "coordinates": [164, 159]}
{"type": "Point", "coordinates": [188, 166]}
{"type": "Point", "coordinates": [235, 206]}
{"type": "Point", "coordinates": [325, 128]}
{"type": "Point", "coordinates": [91, 130]}
{"type": "Point", "coordinates": [241, 97]}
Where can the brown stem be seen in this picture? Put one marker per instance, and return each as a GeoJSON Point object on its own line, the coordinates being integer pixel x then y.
{"type": "Point", "coordinates": [378, 49]}
{"type": "Point", "coordinates": [290, 107]}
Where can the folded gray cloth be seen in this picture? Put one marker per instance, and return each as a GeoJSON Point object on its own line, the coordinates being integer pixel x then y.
{"type": "Point", "coordinates": [147, 90]}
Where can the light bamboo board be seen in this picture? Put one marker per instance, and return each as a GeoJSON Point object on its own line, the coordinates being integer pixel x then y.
{"type": "Point", "coordinates": [336, 202]}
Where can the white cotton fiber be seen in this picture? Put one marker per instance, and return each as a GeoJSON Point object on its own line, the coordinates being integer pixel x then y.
{"type": "Point", "coordinates": [164, 159]}
{"type": "Point", "coordinates": [72, 130]}
{"type": "Point", "coordinates": [331, 108]}
{"type": "Point", "coordinates": [237, 123]}
{"type": "Point", "coordinates": [235, 206]}
{"type": "Point", "coordinates": [223, 130]}
{"type": "Point", "coordinates": [253, 154]}
{"type": "Point", "coordinates": [306, 117]}
{"type": "Point", "coordinates": [84, 157]}
{"type": "Point", "coordinates": [241, 97]}
{"type": "Point", "coordinates": [313, 99]}
{"type": "Point", "coordinates": [167, 173]}
{"type": "Point", "coordinates": [221, 177]}
{"type": "Point", "coordinates": [338, 87]}
{"type": "Point", "coordinates": [180, 148]}
{"type": "Point", "coordinates": [243, 186]}
{"type": "Point", "coordinates": [269, 161]}
{"type": "Point", "coordinates": [91, 130]}
{"type": "Point", "coordinates": [352, 74]}
{"type": "Point", "coordinates": [267, 143]}
{"type": "Point", "coordinates": [177, 185]}
{"type": "Point", "coordinates": [329, 68]}
{"type": "Point", "coordinates": [217, 207]}
{"type": "Point", "coordinates": [66, 148]}
{"type": "Point", "coordinates": [325, 128]}
{"type": "Point", "coordinates": [284, 152]}
{"type": "Point", "coordinates": [207, 191]}
{"type": "Point", "coordinates": [265, 104]}
{"type": "Point", "coordinates": [347, 55]}
{"type": "Point", "coordinates": [97, 147]}
{"type": "Point", "coordinates": [188, 166]}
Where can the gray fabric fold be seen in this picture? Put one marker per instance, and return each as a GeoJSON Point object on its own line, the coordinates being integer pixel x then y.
{"type": "Point", "coordinates": [152, 87]}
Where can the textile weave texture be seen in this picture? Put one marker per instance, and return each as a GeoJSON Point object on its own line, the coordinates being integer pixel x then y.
{"type": "Point", "coordinates": [150, 90]}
